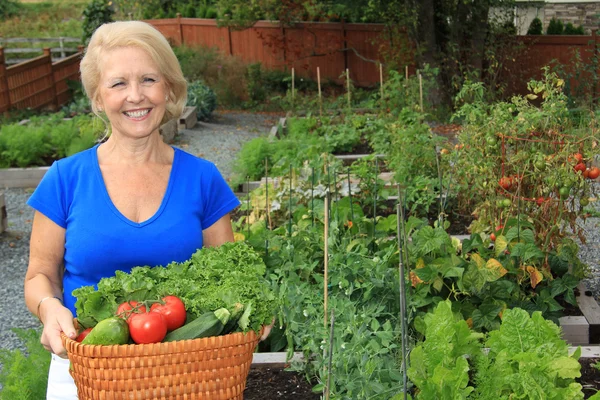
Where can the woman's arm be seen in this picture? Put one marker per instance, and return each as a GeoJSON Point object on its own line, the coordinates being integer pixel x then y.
{"type": "Point", "coordinates": [43, 282]}
{"type": "Point", "coordinates": [218, 233]}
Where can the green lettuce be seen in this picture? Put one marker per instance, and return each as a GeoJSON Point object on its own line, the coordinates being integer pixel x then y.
{"type": "Point", "coordinates": [214, 277]}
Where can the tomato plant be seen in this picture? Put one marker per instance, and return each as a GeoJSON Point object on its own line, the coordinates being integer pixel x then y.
{"type": "Point", "coordinates": [147, 327]}
{"type": "Point", "coordinates": [594, 173]}
{"type": "Point", "coordinates": [505, 183]}
{"type": "Point", "coordinates": [128, 308]}
{"type": "Point", "coordinates": [173, 310]}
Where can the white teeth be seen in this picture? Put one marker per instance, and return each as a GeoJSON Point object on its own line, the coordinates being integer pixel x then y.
{"type": "Point", "coordinates": [137, 114]}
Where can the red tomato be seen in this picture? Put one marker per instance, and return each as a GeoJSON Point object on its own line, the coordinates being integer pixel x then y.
{"type": "Point", "coordinates": [493, 237]}
{"type": "Point", "coordinates": [130, 307]}
{"type": "Point", "coordinates": [578, 158]}
{"type": "Point", "coordinates": [148, 327]}
{"type": "Point", "coordinates": [499, 227]}
{"type": "Point", "coordinates": [586, 173]}
{"type": "Point", "coordinates": [505, 182]}
{"type": "Point", "coordinates": [173, 310]}
{"type": "Point", "coordinates": [540, 200]}
{"type": "Point", "coordinates": [579, 167]}
{"type": "Point", "coordinates": [83, 334]}
{"type": "Point", "coordinates": [594, 173]}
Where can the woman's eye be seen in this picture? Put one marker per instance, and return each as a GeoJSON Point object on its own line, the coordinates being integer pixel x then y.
{"type": "Point", "coordinates": [117, 84]}
{"type": "Point", "coordinates": [149, 80]}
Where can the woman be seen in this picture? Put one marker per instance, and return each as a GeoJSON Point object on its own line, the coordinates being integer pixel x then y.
{"type": "Point", "coordinates": [131, 200]}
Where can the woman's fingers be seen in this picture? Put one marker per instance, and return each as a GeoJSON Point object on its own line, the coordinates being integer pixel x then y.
{"type": "Point", "coordinates": [61, 321]}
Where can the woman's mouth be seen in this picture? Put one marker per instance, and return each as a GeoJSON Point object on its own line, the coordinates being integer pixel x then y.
{"type": "Point", "coordinates": [137, 113]}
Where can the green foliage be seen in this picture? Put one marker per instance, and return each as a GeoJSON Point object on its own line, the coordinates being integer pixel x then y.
{"type": "Point", "coordinates": [24, 375]}
{"type": "Point", "coordinates": [527, 359]}
{"type": "Point", "coordinates": [250, 161]}
{"type": "Point", "coordinates": [8, 8]}
{"type": "Point", "coordinates": [256, 91]}
{"type": "Point", "coordinates": [203, 98]}
{"type": "Point", "coordinates": [45, 139]}
{"type": "Point", "coordinates": [516, 141]}
{"type": "Point", "coordinates": [214, 277]}
{"type": "Point", "coordinates": [535, 27]}
{"type": "Point", "coordinates": [555, 27]}
{"type": "Point", "coordinates": [96, 13]}
{"type": "Point", "coordinates": [570, 29]}
{"type": "Point", "coordinates": [439, 367]}
{"type": "Point", "coordinates": [224, 74]}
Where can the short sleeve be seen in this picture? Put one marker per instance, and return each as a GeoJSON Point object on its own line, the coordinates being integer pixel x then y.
{"type": "Point", "coordinates": [218, 200]}
{"type": "Point", "coordinates": [49, 197]}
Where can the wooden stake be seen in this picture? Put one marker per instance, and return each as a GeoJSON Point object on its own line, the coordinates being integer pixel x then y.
{"type": "Point", "coordinates": [293, 85]}
{"type": "Point", "coordinates": [319, 85]}
{"type": "Point", "coordinates": [406, 71]}
{"type": "Point", "coordinates": [381, 81]}
{"type": "Point", "coordinates": [348, 86]}
{"type": "Point", "coordinates": [421, 92]}
{"type": "Point", "coordinates": [326, 261]}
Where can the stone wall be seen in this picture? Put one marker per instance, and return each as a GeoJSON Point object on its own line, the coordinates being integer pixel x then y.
{"type": "Point", "coordinates": [578, 13]}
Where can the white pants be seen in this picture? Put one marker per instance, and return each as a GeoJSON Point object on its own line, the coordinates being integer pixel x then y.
{"type": "Point", "coordinates": [61, 385]}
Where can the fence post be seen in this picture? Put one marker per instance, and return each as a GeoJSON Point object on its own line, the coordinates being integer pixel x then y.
{"type": "Point", "coordinates": [179, 29]}
{"type": "Point", "coordinates": [4, 82]}
{"type": "Point", "coordinates": [48, 54]}
{"type": "Point", "coordinates": [62, 47]}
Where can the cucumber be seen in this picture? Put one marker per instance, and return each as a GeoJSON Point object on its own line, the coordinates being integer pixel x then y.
{"type": "Point", "coordinates": [207, 324]}
{"type": "Point", "coordinates": [236, 313]}
{"type": "Point", "coordinates": [109, 331]}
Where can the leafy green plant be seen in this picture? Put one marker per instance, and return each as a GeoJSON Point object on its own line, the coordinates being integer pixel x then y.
{"type": "Point", "coordinates": [96, 13]}
{"type": "Point", "coordinates": [203, 98]}
{"type": "Point", "coordinates": [571, 29]}
{"type": "Point", "coordinates": [526, 358]}
{"type": "Point", "coordinates": [24, 375]}
{"type": "Point", "coordinates": [8, 8]}
{"type": "Point", "coordinates": [535, 27]}
{"type": "Point", "coordinates": [256, 90]}
{"type": "Point", "coordinates": [555, 27]}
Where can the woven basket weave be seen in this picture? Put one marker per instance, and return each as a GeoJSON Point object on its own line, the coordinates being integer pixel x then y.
{"type": "Point", "coordinates": [213, 368]}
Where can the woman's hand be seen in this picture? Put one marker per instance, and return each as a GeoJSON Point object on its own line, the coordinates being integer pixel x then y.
{"type": "Point", "coordinates": [56, 319]}
{"type": "Point", "coordinates": [267, 330]}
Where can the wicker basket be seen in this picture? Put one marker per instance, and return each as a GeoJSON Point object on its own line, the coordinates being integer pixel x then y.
{"type": "Point", "coordinates": [212, 368]}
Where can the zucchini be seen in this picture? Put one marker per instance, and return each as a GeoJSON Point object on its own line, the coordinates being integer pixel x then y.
{"type": "Point", "coordinates": [207, 324]}
{"type": "Point", "coordinates": [236, 314]}
{"type": "Point", "coordinates": [109, 331]}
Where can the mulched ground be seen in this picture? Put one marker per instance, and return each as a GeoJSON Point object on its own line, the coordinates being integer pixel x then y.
{"type": "Point", "coordinates": [590, 376]}
{"type": "Point", "coordinates": [275, 383]}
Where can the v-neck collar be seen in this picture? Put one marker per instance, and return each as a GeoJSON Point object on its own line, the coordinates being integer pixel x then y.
{"type": "Point", "coordinates": [111, 205]}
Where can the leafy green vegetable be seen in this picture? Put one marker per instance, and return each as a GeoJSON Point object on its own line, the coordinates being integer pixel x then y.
{"type": "Point", "coordinates": [214, 277]}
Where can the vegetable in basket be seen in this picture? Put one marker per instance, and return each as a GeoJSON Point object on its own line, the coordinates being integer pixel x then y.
{"type": "Point", "coordinates": [230, 276]}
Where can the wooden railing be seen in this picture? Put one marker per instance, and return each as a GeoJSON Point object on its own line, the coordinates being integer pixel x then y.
{"type": "Point", "coordinates": [61, 51]}
{"type": "Point", "coordinates": [38, 83]}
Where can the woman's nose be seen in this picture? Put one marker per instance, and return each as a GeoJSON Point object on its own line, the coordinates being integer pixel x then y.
{"type": "Point", "coordinates": [135, 93]}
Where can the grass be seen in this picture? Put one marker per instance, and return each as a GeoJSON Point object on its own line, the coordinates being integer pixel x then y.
{"type": "Point", "coordinates": [38, 19]}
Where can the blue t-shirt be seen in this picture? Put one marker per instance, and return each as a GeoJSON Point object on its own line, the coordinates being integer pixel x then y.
{"type": "Point", "coordinates": [100, 240]}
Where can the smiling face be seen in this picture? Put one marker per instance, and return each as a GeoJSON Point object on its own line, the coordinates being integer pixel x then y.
{"type": "Point", "coordinates": [132, 92]}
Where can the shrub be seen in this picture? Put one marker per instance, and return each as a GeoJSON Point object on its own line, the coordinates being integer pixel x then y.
{"type": "Point", "coordinates": [555, 27]}
{"type": "Point", "coordinates": [8, 8]}
{"type": "Point", "coordinates": [203, 98]}
{"type": "Point", "coordinates": [570, 29]}
{"type": "Point", "coordinates": [225, 74]}
{"type": "Point", "coordinates": [256, 90]}
{"type": "Point", "coordinates": [97, 12]}
{"type": "Point", "coordinates": [536, 27]}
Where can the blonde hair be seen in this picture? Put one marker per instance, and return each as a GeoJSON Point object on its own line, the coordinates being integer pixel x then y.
{"type": "Point", "coordinates": [143, 36]}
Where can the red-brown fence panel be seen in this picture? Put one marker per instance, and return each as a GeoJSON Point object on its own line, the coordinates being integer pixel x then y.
{"type": "Point", "coordinates": [64, 71]}
{"type": "Point", "coordinates": [31, 83]}
{"type": "Point", "coordinates": [4, 92]}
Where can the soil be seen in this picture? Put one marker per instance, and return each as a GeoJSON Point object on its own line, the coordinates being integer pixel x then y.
{"type": "Point", "coordinates": [275, 383]}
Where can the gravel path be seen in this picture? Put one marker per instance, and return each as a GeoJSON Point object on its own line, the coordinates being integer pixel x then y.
{"type": "Point", "coordinates": [217, 141]}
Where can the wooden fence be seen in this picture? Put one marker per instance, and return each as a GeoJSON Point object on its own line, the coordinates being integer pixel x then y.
{"type": "Point", "coordinates": [332, 47]}
{"type": "Point", "coordinates": [64, 47]}
{"type": "Point", "coordinates": [38, 83]}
